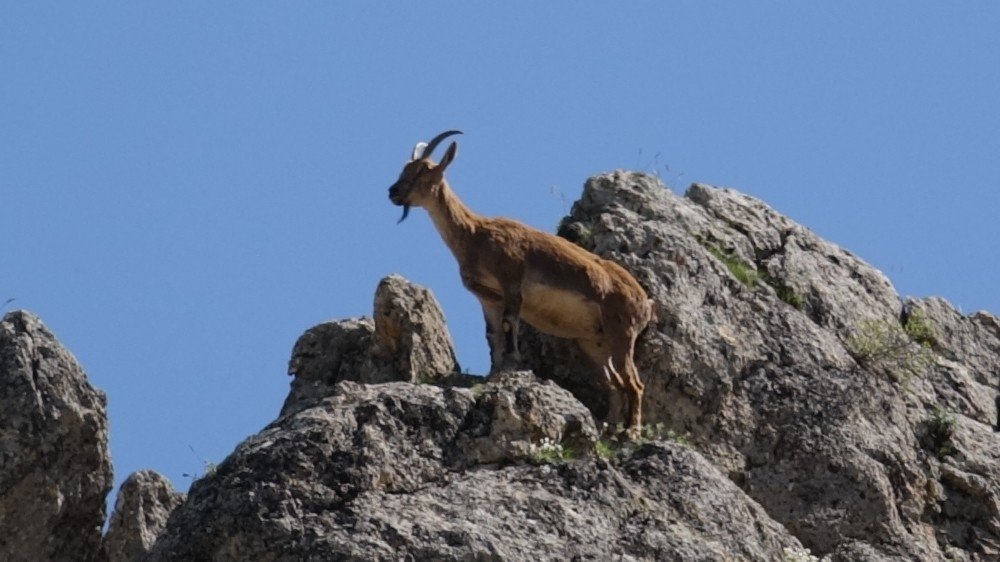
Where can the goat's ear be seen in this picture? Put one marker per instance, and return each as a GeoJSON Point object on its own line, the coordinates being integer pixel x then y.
{"type": "Point", "coordinates": [449, 155]}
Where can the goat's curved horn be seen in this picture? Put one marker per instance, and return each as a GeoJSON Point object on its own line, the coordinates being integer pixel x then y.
{"type": "Point", "coordinates": [436, 141]}
{"type": "Point", "coordinates": [418, 151]}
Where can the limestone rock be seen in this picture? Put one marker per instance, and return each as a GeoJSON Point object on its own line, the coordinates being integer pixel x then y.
{"type": "Point", "coordinates": [801, 439]}
{"type": "Point", "coordinates": [327, 354]}
{"type": "Point", "coordinates": [145, 501]}
{"type": "Point", "coordinates": [837, 290]}
{"type": "Point", "coordinates": [515, 411]}
{"type": "Point", "coordinates": [283, 489]}
{"type": "Point", "coordinates": [753, 356]}
{"type": "Point", "coordinates": [381, 472]}
{"type": "Point", "coordinates": [407, 341]}
{"type": "Point", "coordinates": [410, 332]}
{"type": "Point", "coordinates": [55, 470]}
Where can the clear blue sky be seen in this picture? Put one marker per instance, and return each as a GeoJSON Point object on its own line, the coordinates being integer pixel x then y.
{"type": "Point", "coordinates": [185, 187]}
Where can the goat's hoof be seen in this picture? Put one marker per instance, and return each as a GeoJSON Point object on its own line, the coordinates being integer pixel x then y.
{"type": "Point", "coordinates": [633, 433]}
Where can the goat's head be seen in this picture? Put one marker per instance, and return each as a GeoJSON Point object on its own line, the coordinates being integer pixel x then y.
{"type": "Point", "coordinates": [421, 176]}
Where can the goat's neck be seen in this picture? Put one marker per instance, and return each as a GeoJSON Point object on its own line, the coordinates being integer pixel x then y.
{"type": "Point", "coordinates": [452, 218]}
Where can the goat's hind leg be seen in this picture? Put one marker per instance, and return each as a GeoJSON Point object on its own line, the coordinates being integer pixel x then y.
{"type": "Point", "coordinates": [629, 394]}
{"type": "Point", "coordinates": [633, 390]}
{"type": "Point", "coordinates": [600, 355]}
{"type": "Point", "coordinates": [624, 355]}
{"type": "Point", "coordinates": [615, 355]}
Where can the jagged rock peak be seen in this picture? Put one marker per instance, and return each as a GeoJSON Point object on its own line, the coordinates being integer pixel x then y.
{"type": "Point", "coordinates": [407, 341]}
{"type": "Point", "coordinates": [410, 331]}
{"type": "Point", "coordinates": [145, 501]}
{"type": "Point", "coordinates": [55, 470]}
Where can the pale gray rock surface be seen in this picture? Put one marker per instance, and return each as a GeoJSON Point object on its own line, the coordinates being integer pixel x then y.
{"type": "Point", "coordinates": [145, 501]}
{"type": "Point", "coordinates": [799, 438]}
{"type": "Point", "coordinates": [411, 336]}
{"type": "Point", "coordinates": [763, 377]}
{"type": "Point", "coordinates": [55, 470]}
{"type": "Point", "coordinates": [408, 340]}
{"type": "Point", "coordinates": [326, 354]}
{"type": "Point", "coordinates": [515, 412]}
{"type": "Point", "coordinates": [390, 472]}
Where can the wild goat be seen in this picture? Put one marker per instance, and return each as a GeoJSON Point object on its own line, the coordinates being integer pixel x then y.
{"type": "Point", "coordinates": [519, 272]}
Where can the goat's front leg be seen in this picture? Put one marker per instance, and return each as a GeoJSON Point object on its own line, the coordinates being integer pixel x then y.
{"type": "Point", "coordinates": [502, 313]}
{"type": "Point", "coordinates": [504, 355]}
{"type": "Point", "coordinates": [493, 314]}
{"type": "Point", "coordinates": [492, 303]}
{"type": "Point", "coordinates": [510, 321]}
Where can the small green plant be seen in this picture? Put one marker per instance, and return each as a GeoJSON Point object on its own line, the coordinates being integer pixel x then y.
{"type": "Point", "coordinates": [741, 270]}
{"type": "Point", "coordinates": [617, 439]}
{"type": "Point", "coordinates": [785, 292]}
{"type": "Point", "coordinates": [586, 238]}
{"type": "Point", "coordinates": [887, 344]}
{"type": "Point", "coordinates": [660, 432]}
{"type": "Point", "coordinates": [576, 232]}
{"type": "Point", "coordinates": [605, 448]}
{"type": "Point", "coordinates": [920, 328]}
{"type": "Point", "coordinates": [680, 438]}
{"type": "Point", "coordinates": [801, 555]}
{"type": "Point", "coordinates": [940, 426]}
{"type": "Point", "coordinates": [548, 451]}
{"type": "Point", "coordinates": [478, 390]}
{"type": "Point", "coordinates": [564, 224]}
{"type": "Point", "coordinates": [652, 432]}
{"type": "Point", "coordinates": [875, 340]}
{"type": "Point", "coordinates": [749, 275]}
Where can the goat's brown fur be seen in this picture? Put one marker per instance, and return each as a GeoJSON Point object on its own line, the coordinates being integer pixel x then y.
{"type": "Point", "coordinates": [518, 272]}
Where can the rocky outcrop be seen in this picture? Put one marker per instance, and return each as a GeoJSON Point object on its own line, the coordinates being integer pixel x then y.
{"type": "Point", "coordinates": [145, 501]}
{"type": "Point", "coordinates": [411, 336]}
{"type": "Point", "coordinates": [515, 412]}
{"type": "Point", "coordinates": [793, 400]}
{"type": "Point", "coordinates": [797, 371]}
{"type": "Point", "coordinates": [395, 472]}
{"type": "Point", "coordinates": [407, 341]}
{"type": "Point", "coordinates": [55, 470]}
{"type": "Point", "coordinates": [821, 408]}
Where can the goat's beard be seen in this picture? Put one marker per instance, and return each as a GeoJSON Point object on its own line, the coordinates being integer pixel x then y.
{"type": "Point", "coordinates": [406, 211]}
